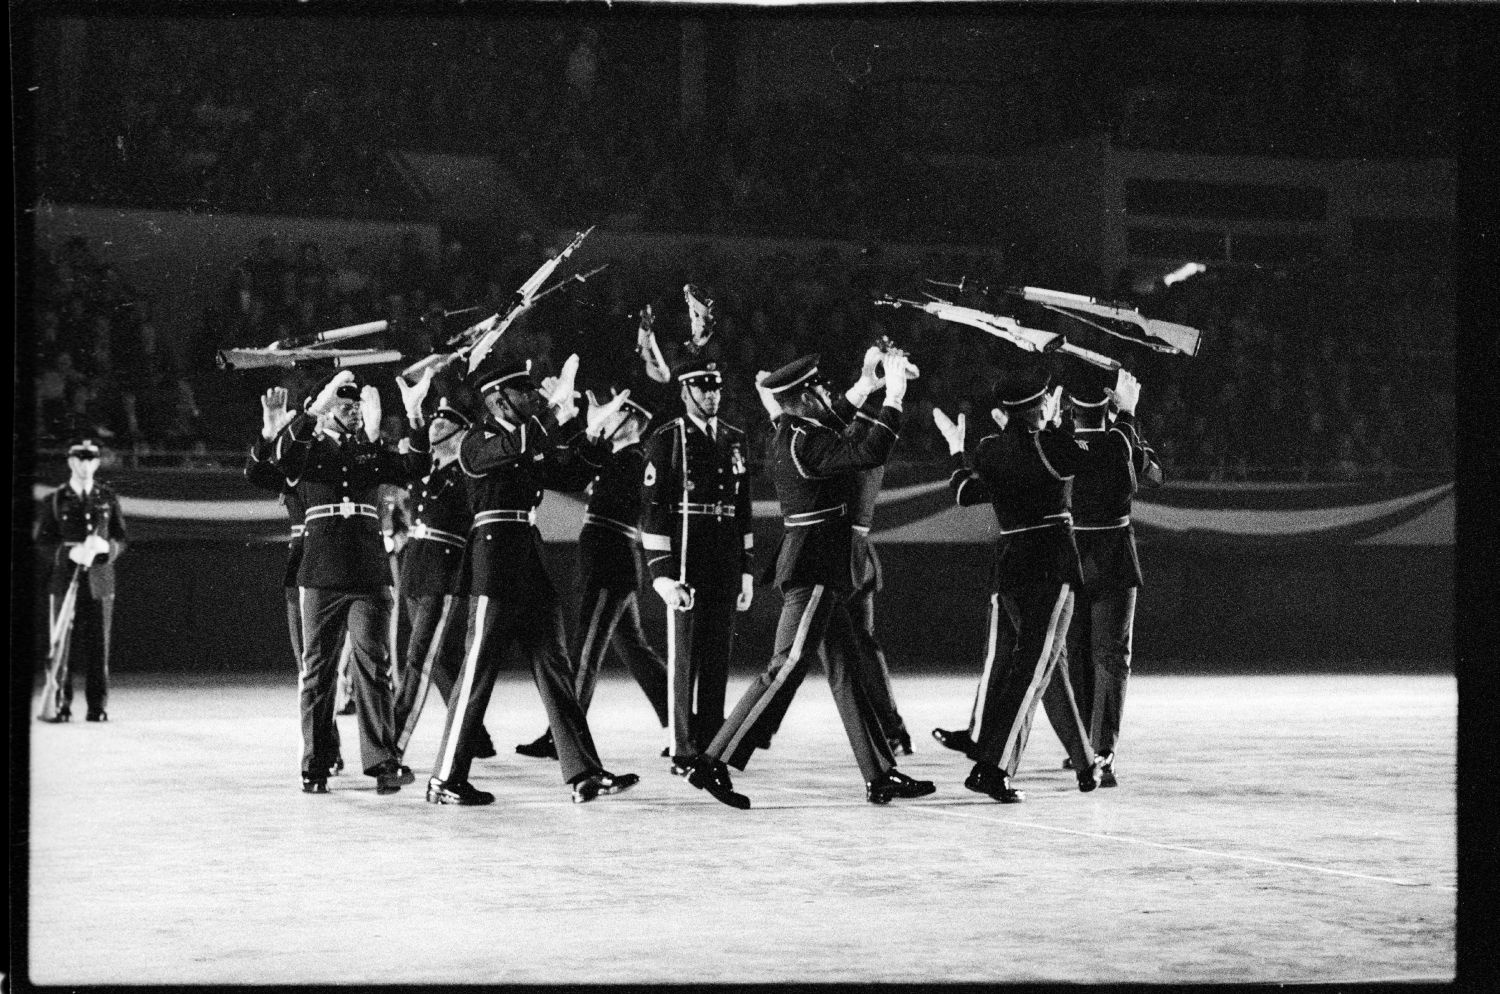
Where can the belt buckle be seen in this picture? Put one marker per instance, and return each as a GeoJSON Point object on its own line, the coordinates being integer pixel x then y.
{"type": "Point", "coordinates": [346, 508]}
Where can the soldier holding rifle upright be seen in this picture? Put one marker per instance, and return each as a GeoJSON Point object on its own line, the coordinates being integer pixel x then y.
{"type": "Point", "coordinates": [82, 531]}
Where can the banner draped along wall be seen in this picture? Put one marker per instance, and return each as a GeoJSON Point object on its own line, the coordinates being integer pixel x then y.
{"type": "Point", "coordinates": [1238, 576]}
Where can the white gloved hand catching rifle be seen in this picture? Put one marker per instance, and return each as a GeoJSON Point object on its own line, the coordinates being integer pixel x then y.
{"type": "Point", "coordinates": [561, 396]}
{"type": "Point", "coordinates": [767, 398]}
{"type": "Point", "coordinates": [898, 371]}
{"type": "Point", "coordinates": [869, 380]}
{"type": "Point", "coordinates": [953, 431]}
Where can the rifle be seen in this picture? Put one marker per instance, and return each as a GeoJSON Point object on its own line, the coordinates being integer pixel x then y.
{"type": "Point", "coordinates": [1026, 339]}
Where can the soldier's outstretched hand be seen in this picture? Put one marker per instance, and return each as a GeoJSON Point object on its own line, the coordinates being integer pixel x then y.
{"type": "Point", "coordinates": [953, 431]}
{"type": "Point", "coordinates": [412, 395]}
{"type": "Point", "coordinates": [323, 403]}
{"type": "Point", "coordinates": [602, 419]}
{"type": "Point", "coordinates": [273, 413]}
{"type": "Point", "coordinates": [767, 398]}
{"type": "Point", "coordinates": [1127, 391]}
{"type": "Point", "coordinates": [369, 411]}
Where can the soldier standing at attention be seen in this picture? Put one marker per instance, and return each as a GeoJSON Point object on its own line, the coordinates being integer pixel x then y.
{"type": "Point", "coordinates": [509, 459]}
{"type": "Point", "coordinates": [1099, 642]}
{"type": "Point", "coordinates": [82, 531]}
{"type": "Point", "coordinates": [261, 473]}
{"type": "Point", "coordinates": [431, 582]}
{"type": "Point", "coordinates": [610, 567]}
{"type": "Point", "coordinates": [816, 471]}
{"type": "Point", "coordinates": [344, 578]}
{"type": "Point", "coordinates": [697, 532]}
{"type": "Point", "coordinates": [1024, 471]}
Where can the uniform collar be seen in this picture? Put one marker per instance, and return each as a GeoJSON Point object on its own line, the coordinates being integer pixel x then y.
{"type": "Point", "coordinates": [81, 493]}
{"type": "Point", "coordinates": [703, 426]}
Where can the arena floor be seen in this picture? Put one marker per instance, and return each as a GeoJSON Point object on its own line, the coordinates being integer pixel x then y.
{"type": "Point", "coordinates": [1247, 842]}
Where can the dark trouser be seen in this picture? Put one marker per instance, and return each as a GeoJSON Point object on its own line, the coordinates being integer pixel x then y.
{"type": "Point", "coordinates": [810, 617]}
{"type": "Point", "coordinates": [294, 629]}
{"type": "Point", "coordinates": [1028, 626]}
{"type": "Point", "coordinates": [537, 630]}
{"type": "Point", "coordinates": [874, 675]}
{"type": "Point", "coordinates": [86, 640]}
{"type": "Point", "coordinates": [434, 655]}
{"type": "Point", "coordinates": [698, 646]}
{"type": "Point", "coordinates": [327, 616]}
{"type": "Point", "coordinates": [612, 618]}
{"type": "Point", "coordinates": [1099, 647]}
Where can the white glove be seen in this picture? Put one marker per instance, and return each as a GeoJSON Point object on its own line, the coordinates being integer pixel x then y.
{"type": "Point", "coordinates": [561, 396]}
{"type": "Point", "coordinates": [869, 378]}
{"type": "Point", "coordinates": [81, 555]}
{"type": "Point", "coordinates": [1000, 418]}
{"type": "Point", "coordinates": [412, 396]}
{"type": "Point", "coordinates": [97, 545]}
{"type": "Point", "coordinates": [1052, 407]}
{"type": "Point", "coordinates": [604, 418]}
{"type": "Point", "coordinates": [677, 596]}
{"type": "Point", "coordinates": [953, 431]}
{"type": "Point", "coordinates": [273, 413]}
{"type": "Point", "coordinates": [369, 409]}
{"type": "Point", "coordinates": [1127, 391]}
{"type": "Point", "coordinates": [767, 398]}
{"type": "Point", "coordinates": [324, 402]}
{"type": "Point", "coordinates": [747, 592]}
{"type": "Point", "coordinates": [898, 370]}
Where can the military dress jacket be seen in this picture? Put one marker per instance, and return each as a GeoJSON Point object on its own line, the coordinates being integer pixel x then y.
{"type": "Point", "coordinates": [67, 518]}
{"type": "Point", "coordinates": [261, 473]}
{"type": "Point", "coordinates": [338, 478]}
{"type": "Point", "coordinates": [720, 517]}
{"type": "Point", "coordinates": [508, 468]}
{"type": "Point", "coordinates": [1102, 497]}
{"type": "Point", "coordinates": [433, 560]}
{"type": "Point", "coordinates": [818, 472]}
{"type": "Point", "coordinates": [609, 546]}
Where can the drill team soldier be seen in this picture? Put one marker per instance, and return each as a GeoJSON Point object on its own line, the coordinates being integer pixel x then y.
{"type": "Point", "coordinates": [1025, 473]}
{"type": "Point", "coordinates": [815, 470]}
{"type": "Point", "coordinates": [697, 531]}
{"type": "Point", "coordinates": [610, 565]}
{"type": "Point", "coordinates": [431, 581]}
{"type": "Point", "coordinates": [82, 531]}
{"type": "Point", "coordinates": [344, 577]}
{"type": "Point", "coordinates": [1099, 642]}
{"type": "Point", "coordinates": [509, 459]}
{"type": "Point", "coordinates": [262, 474]}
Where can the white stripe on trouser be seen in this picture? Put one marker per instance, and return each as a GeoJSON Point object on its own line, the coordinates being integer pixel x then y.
{"type": "Point", "coordinates": [671, 678]}
{"type": "Point", "coordinates": [302, 668]}
{"type": "Point", "coordinates": [585, 657]}
{"type": "Point", "coordinates": [51, 694]}
{"type": "Point", "coordinates": [1034, 687]}
{"type": "Point", "coordinates": [424, 681]}
{"type": "Point", "coordinates": [393, 660]}
{"type": "Point", "coordinates": [976, 717]}
{"type": "Point", "coordinates": [799, 643]}
{"type": "Point", "coordinates": [460, 702]}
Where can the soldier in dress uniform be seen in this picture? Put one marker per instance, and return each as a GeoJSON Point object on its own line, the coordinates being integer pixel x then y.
{"type": "Point", "coordinates": [1099, 642]}
{"type": "Point", "coordinates": [853, 409]}
{"type": "Point", "coordinates": [262, 474]}
{"type": "Point", "coordinates": [432, 582]}
{"type": "Point", "coordinates": [1025, 472]}
{"type": "Point", "coordinates": [509, 459]}
{"type": "Point", "coordinates": [697, 531]}
{"type": "Point", "coordinates": [610, 565]}
{"type": "Point", "coordinates": [816, 469]}
{"type": "Point", "coordinates": [344, 578]}
{"type": "Point", "coordinates": [82, 531]}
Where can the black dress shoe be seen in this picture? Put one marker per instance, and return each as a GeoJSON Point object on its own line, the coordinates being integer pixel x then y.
{"type": "Point", "coordinates": [57, 719]}
{"type": "Point", "coordinates": [712, 775]}
{"type": "Point", "coordinates": [1088, 777]}
{"type": "Point", "coordinates": [893, 784]}
{"type": "Point", "coordinates": [456, 792]}
{"type": "Point", "coordinates": [542, 747]}
{"type": "Point", "coordinates": [485, 749]}
{"type": "Point", "coordinates": [348, 707]}
{"type": "Point", "coordinates": [337, 767]}
{"type": "Point", "coordinates": [388, 777]}
{"type": "Point", "coordinates": [314, 785]}
{"type": "Point", "coordinates": [96, 716]}
{"type": "Point", "coordinates": [1107, 772]}
{"type": "Point", "coordinates": [958, 741]}
{"type": "Point", "coordinates": [992, 782]}
{"type": "Point", "coordinates": [900, 743]}
{"type": "Point", "coordinates": [683, 765]}
{"type": "Point", "coordinates": [405, 775]}
{"type": "Point", "coordinates": [603, 782]}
